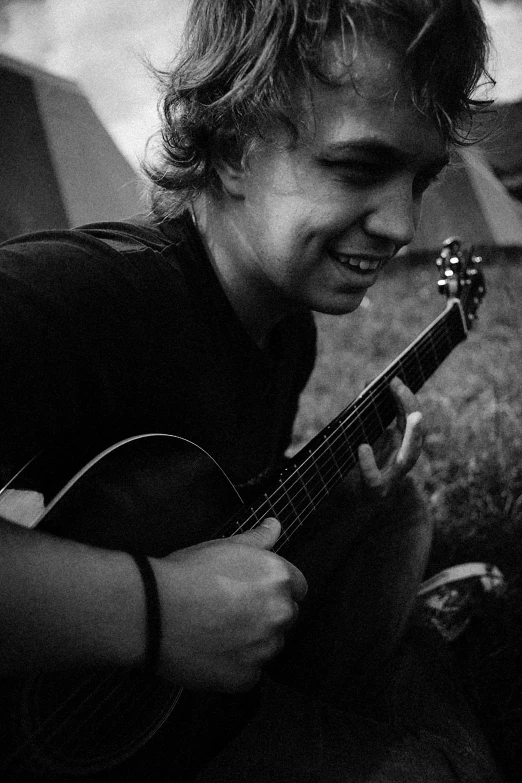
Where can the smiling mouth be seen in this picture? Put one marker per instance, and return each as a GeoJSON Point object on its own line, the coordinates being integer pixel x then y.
{"type": "Point", "coordinates": [357, 263]}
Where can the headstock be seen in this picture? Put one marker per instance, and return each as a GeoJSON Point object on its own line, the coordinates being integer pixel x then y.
{"type": "Point", "coordinates": [461, 277]}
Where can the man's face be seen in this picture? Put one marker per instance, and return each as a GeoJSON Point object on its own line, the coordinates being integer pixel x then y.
{"type": "Point", "coordinates": [313, 224]}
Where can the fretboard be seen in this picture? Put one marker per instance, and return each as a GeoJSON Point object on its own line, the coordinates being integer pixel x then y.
{"type": "Point", "coordinates": [318, 467]}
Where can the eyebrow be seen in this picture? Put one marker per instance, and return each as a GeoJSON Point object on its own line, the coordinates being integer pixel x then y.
{"type": "Point", "coordinates": [382, 150]}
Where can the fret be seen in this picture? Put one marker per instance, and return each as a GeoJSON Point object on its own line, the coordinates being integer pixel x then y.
{"type": "Point", "coordinates": [256, 513]}
{"type": "Point", "coordinates": [334, 452]}
{"type": "Point", "coordinates": [380, 410]}
{"type": "Point", "coordinates": [290, 507]}
{"type": "Point", "coordinates": [454, 330]}
{"type": "Point", "coordinates": [419, 364]}
{"type": "Point", "coordinates": [277, 507]}
{"type": "Point", "coordinates": [284, 536]}
{"type": "Point", "coordinates": [319, 487]}
{"type": "Point", "coordinates": [414, 373]}
{"type": "Point", "coordinates": [310, 503]}
{"type": "Point", "coordinates": [317, 472]}
{"type": "Point", "coordinates": [360, 429]}
{"type": "Point", "coordinates": [333, 460]}
{"type": "Point", "coordinates": [317, 468]}
{"type": "Point", "coordinates": [347, 445]}
{"type": "Point", "coordinates": [236, 525]}
{"type": "Point", "coordinates": [296, 489]}
{"type": "Point", "coordinates": [434, 348]}
{"type": "Point", "coordinates": [253, 513]}
{"type": "Point", "coordinates": [421, 369]}
{"type": "Point", "coordinates": [376, 402]}
{"type": "Point", "coordinates": [446, 343]}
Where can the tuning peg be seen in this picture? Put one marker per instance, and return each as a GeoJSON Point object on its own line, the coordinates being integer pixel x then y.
{"type": "Point", "coordinates": [452, 243]}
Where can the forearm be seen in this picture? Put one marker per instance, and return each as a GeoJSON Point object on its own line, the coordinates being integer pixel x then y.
{"type": "Point", "coordinates": [66, 604]}
{"type": "Point", "coordinates": [225, 606]}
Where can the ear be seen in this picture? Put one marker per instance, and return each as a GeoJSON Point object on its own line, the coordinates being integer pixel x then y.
{"type": "Point", "coordinates": [230, 162]}
{"type": "Point", "coordinates": [232, 175]}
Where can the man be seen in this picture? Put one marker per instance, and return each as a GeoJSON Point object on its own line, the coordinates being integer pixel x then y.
{"type": "Point", "coordinates": [298, 141]}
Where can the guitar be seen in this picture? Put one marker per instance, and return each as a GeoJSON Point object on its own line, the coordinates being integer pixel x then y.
{"type": "Point", "coordinates": [108, 724]}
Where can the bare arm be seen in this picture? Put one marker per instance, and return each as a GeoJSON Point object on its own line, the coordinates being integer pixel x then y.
{"type": "Point", "coordinates": [225, 606]}
{"type": "Point", "coordinates": [65, 604]}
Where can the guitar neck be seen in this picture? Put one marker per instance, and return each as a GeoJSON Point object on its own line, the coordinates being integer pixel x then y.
{"type": "Point", "coordinates": [317, 468]}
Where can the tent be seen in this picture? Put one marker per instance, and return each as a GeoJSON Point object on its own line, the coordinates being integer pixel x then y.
{"type": "Point", "coordinates": [469, 202]}
{"type": "Point", "coordinates": [58, 165]}
{"type": "Point", "coordinates": [503, 146]}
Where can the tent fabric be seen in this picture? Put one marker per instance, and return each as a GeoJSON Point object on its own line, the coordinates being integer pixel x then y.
{"type": "Point", "coordinates": [469, 202]}
{"type": "Point", "coordinates": [30, 191]}
{"type": "Point", "coordinates": [59, 167]}
{"type": "Point", "coordinates": [503, 146]}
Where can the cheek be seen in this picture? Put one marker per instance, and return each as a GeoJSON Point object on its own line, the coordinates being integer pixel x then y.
{"type": "Point", "coordinates": [290, 225]}
{"type": "Point", "coordinates": [284, 225]}
{"type": "Point", "coordinates": [417, 210]}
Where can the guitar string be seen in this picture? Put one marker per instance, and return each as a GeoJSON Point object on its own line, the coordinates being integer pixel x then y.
{"type": "Point", "coordinates": [371, 404]}
{"type": "Point", "coordinates": [317, 486]}
{"type": "Point", "coordinates": [298, 508]}
{"type": "Point", "coordinates": [325, 446]}
{"type": "Point", "coordinates": [376, 403]}
{"type": "Point", "coordinates": [334, 465]}
{"type": "Point", "coordinates": [444, 327]}
{"type": "Point", "coordinates": [113, 696]}
{"type": "Point", "coordinates": [72, 715]}
{"type": "Point", "coordinates": [121, 684]}
{"type": "Point", "coordinates": [119, 706]}
{"type": "Point", "coordinates": [91, 711]}
{"type": "Point", "coordinates": [328, 449]}
{"type": "Point", "coordinates": [374, 400]}
{"type": "Point", "coordinates": [63, 706]}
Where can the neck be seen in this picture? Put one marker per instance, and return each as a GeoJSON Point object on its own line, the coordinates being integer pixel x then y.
{"type": "Point", "coordinates": [258, 306]}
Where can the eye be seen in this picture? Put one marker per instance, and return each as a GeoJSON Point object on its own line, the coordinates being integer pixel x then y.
{"type": "Point", "coordinates": [355, 170]}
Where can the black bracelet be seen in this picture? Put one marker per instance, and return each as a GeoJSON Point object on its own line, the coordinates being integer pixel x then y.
{"type": "Point", "coordinates": [153, 612]}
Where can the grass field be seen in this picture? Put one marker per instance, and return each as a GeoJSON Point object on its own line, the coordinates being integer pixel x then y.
{"type": "Point", "coordinates": [471, 469]}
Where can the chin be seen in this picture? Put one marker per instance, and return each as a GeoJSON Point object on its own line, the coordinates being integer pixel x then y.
{"type": "Point", "coordinates": [341, 305]}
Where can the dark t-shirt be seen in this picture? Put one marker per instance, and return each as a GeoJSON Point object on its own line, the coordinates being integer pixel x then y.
{"type": "Point", "coordinates": [115, 330]}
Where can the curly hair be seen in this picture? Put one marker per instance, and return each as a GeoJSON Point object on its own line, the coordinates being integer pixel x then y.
{"type": "Point", "coordinates": [241, 61]}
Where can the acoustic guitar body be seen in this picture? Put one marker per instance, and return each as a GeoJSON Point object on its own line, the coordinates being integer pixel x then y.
{"type": "Point", "coordinates": [116, 725]}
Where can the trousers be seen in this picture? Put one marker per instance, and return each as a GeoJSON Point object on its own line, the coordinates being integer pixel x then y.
{"type": "Point", "coordinates": [360, 693]}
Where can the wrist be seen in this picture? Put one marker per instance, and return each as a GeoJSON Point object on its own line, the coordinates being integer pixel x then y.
{"type": "Point", "coordinates": [152, 612]}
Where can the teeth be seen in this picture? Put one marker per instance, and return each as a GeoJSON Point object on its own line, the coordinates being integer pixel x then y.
{"type": "Point", "coordinates": [358, 263]}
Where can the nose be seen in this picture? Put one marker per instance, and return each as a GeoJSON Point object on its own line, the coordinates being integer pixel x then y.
{"type": "Point", "coordinates": [394, 214]}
